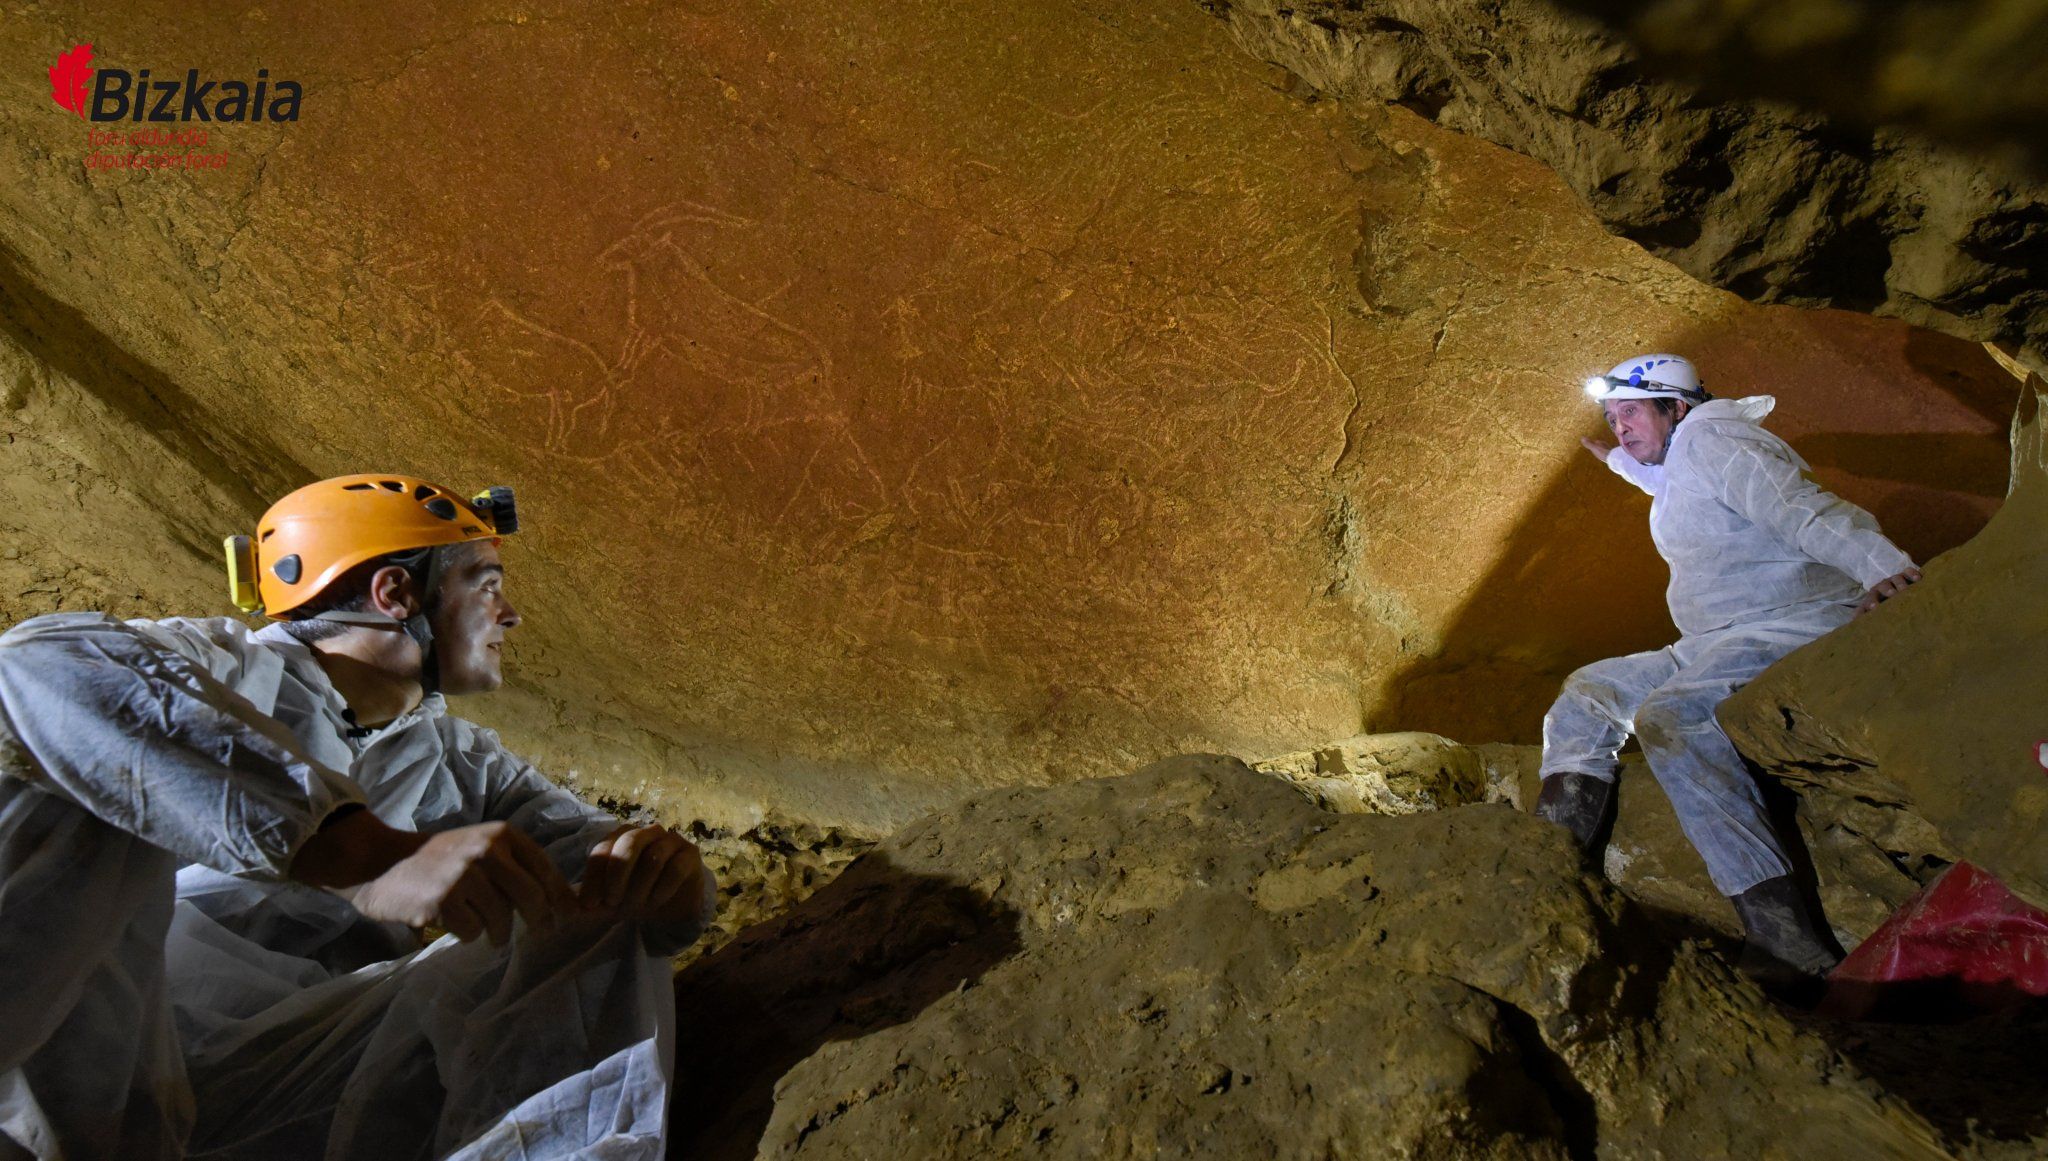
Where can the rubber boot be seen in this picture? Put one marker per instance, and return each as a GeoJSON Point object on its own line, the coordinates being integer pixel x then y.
{"type": "Point", "coordinates": [1785, 948]}
{"type": "Point", "coordinates": [1581, 804]}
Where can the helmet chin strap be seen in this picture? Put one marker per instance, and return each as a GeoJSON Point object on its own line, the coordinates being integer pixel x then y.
{"type": "Point", "coordinates": [417, 626]}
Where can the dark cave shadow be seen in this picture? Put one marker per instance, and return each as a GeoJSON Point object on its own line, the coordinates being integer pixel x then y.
{"type": "Point", "coordinates": [1678, 927]}
{"type": "Point", "coordinates": [1976, 464]}
{"type": "Point", "coordinates": [1965, 1057]}
{"type": "Point", "coordinates": [1950, 364]}
{"type": "Point", "coordinates": [1967, 1060]}
{"type": "Point", "coordinates": [244, 465]}
{"type": "Point", "coordinates": [871, 950]}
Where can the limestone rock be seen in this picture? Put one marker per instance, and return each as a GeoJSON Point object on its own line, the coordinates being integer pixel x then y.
{"type": "Point", "coordinates": [1647, 855]}
{"type": "Point", "coordinates": [1775, 204]}
{"type": "Point", "coordinates": [766, 870]}
{"type": "Point", "coordinates": [1967, 73]}
{"type": "Point", "coordinates": [1936, 700]}
{"type": "Point", "coordinates": [762, 871]}
{"type": "Point", "coordinates": [1195, 961]}
{"type": "Point", "coordinates": [1388, 774]}
{"type": "Point", "coordinates": [906, 398]}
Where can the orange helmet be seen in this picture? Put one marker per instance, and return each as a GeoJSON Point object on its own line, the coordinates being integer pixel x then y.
{"type": "Point", "coordinates": [307, 540]}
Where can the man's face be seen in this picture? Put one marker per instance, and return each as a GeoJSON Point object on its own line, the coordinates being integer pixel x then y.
{"type": "Point", "coordinates": [1643, 429]}
{"type": "Point", "coordinates": [471, 621]}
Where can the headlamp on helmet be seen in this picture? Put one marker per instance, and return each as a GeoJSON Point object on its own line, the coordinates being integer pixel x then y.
{"type": "Point", "coordinates": [1649, 377]}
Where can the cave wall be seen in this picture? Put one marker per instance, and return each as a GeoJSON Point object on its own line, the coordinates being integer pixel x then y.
{"type": "Point", "coordinates": [1970, 73]}
{"type": "Point", "coordinates": [1891, 186]}
{"type": "Point", "coordinates": [904, 399]}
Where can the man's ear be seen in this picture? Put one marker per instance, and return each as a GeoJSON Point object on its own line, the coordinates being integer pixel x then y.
{"type": "Point", "coordinates": [391, 592]}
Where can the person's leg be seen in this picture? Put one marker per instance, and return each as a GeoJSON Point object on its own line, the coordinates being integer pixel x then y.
{"type": "Point", "coordinates": [89, 1067]}
{"type": "Point", "coordinates": [1595, 712]}
{"type": "Point", "coordinates": [1718, 803]}
{"type": "Point", "coordinates": [559, 1047]}
{"type": "Point", "coordinates": [1583, 733]}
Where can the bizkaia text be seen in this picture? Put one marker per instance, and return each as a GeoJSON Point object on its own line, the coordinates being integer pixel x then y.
{"type": "Point", "coordinates": [119, 96]}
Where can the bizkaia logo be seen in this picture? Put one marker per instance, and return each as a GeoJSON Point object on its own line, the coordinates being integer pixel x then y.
{"type": "Point", "coordinates": [116, 101]}
{"type": "Point", "coordinates": [106, 94]}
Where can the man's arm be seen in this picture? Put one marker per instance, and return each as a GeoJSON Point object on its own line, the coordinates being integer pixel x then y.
{"type": "Point", "coordinates": [149, 742]}
{"type": "Point", "coordinates": [471, 880]}
{"type": "Point", "coordinates": [1769, 490]}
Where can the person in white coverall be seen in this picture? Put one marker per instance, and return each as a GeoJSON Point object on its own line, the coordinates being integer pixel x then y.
{"type": "Point", "coordinates": [274, 999]}
{"type": "Point", "coordinates": [1762, 561]}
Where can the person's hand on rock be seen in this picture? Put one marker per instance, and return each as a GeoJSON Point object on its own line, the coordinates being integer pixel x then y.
{"type": "Point", "coordinates": [1599, 450]}
{"type": "Point", "coordinates": [1886, 589]}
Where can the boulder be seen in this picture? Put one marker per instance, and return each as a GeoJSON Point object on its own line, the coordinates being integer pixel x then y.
{"type": "Point", "coordinates": [1404, 773]}
{"type": "Point", "coordinates": [1864, 858]}
{"type": "Point", "coordinates": [1936, 704]}
{"type": "Point", "coordinates": [1196, 961]}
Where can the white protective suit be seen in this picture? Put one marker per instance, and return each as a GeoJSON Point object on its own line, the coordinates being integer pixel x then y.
{"type": "Point", "coordinates": [310, 1031]}
{"type": "Point", "coordinates": [1762, 562]}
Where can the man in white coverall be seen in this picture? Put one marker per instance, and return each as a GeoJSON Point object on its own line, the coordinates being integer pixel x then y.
{"type": "Point", "coordinates": [324, 807]}
{"type": "Point", "coordinates": [1762, 561]}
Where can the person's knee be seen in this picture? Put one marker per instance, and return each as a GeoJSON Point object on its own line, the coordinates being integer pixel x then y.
{"type": "Point", "coordinates": [1665, 720]}
{"type": "Point", "coordinates": [1587, 690]}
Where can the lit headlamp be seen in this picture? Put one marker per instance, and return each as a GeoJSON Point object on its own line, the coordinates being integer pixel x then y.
{"type": "Point", "coordinates": [1598, 386]}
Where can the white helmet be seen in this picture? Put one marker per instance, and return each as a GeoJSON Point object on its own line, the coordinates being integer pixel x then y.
{"type": "Point", "coordinates": [1649, 377]}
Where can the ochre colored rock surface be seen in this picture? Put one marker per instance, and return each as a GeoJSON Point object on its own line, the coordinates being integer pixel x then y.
{"type": "Point", "coordinates": [904, 399]}
{"type": "Point", "coordinates": [1938, 699]}
{"type": "Point", "coordinates": [1195, 961]}
{"type": "Point", "coordinates": [1776, 203]}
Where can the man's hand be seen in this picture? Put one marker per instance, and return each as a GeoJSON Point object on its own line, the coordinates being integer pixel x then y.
{"type": "Point", "coordinates": [471, 881]}
{"type": "Point", "coordinates": [647, 873]}
{"type": "Point", "coordinates": [1885, 589]}
{"type": "Point", "coordinates": [1599, 450]}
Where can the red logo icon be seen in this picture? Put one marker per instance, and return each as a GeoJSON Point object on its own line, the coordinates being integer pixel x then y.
{"type": "Point", "coordinates": [70, 76]}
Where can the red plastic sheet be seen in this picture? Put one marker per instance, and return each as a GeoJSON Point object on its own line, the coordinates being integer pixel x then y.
{"type": "Point", "coordinates": [1964, 940]}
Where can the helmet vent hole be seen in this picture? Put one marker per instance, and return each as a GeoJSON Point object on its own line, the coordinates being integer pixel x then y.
{"type": "Point", "coordinates": [267, 534]}
{"type": "Point", "coordinates": [442, 507]}
{"type": "Point", "coordinates": [392, 485]}
{"type": "Point", "coordinates": [288, 569]}
{"type": "Point", "coordinates": [422, 492]}
{"type": "Point", "coordinates": [357, 487]}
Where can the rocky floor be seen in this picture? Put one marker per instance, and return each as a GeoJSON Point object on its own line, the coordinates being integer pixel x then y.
{"type": "Point", "coordinates": [1198, 960]}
